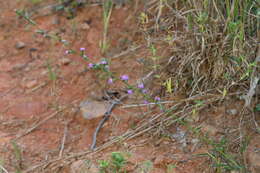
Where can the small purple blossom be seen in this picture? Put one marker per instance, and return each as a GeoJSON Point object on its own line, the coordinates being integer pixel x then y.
{"type": "Point", "coordinates": [82, 49]}
{"type": "Point", "coordinates": [144, 91]}
{"type": "Point", "coordinates": [156, 98]}
{"type": "Point", "coordinates": [124, 77]}
{"type": "Point", "coordinates": [90, 65]}
{"type": "Point", "coordinates": [103, 62]}
{"type": "Point", "coordinates": [67, 52]}
{"type": "Point", "coordinates": [140, 85]}
{"type": "Point", "coordinates": [146, 102]}
{"type": "Point", "coordinates": [110, 81]}
{"type": "Point", "coordinates": [129, 91]}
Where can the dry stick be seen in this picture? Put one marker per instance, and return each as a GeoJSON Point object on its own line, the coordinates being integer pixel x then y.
{"type": "Point", "coordinates": [63, 140]}
{"type": "Point", "coordinates": [126, 136]}
{"type": "Point", "coordinates": [3, 169]}
{"type": "Point", "coordinates": [40, 123]}
{"type": "Point", "coordinates": [7, 92]}
{"type": "Point", "coordinates": [126, 52]}
{"type": "Point", "coordinates": [254, 79]}
{"type": "Point", "coordinates": [102, 122]}
{"type": "Point", "coordinates": [196, 97]}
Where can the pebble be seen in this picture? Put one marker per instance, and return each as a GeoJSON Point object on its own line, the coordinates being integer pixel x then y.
{"type": "Point", "coordinates": [65, 61]}
{"type": "Point", "coordinates": [232, 111]}
{"type": "Point", "coordinates": [20, 45]}
{"type": "Point", "coordinates": [91, 109]}
{"type": "Point", "coordinates": [85, 26]}
{"type": "Point", "coordinates": [30, 84]}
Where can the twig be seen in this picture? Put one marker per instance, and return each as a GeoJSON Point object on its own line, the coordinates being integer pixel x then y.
{"type": "Point", "coordinates": [37, 87]}
{"type": "Point", "coordinates": [106, 117]}
{"type": "Point", "coordinates": [3, 169]}
{"type": "Point", "coordinates": [7, 92]}
{"type": "Point", "coordinates": [63, 140]}
{"type": "Point", "coordinates": [126, 52]}
{"type": "Point", "coordinates": [40, 123]}
{"type": "Point", "coordinates": [196, 97]}
{"type": "Point", "coordinates": [148, 125]}
{"type": "Point", "coordinates": [143, 104]}
{"type": "Point", "coordinates": [254, 79]}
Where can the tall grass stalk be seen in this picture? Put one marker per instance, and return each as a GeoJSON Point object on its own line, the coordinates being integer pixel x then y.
{"type": "Point", "coordinates": [107, 10]}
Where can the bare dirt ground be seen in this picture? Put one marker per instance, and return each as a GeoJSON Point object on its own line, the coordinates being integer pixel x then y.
{"type": "Point", "coordinates": [37, 112]}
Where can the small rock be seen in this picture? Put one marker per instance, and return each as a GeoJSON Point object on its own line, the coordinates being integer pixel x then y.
{"type": "Point", "coordinates": [91, 109]}
{"type": "Point", "coordinates": [65, 61]}
{"type": "Point", "coordinates": [44, 72]}
{"type": "Point", "coordinates": [85, 26]}
{"type": "Point", "coordinates": [20, 45]}
{"type": "Point", "coordinates": [30, 84]}
{"type": "Point", "coordinates": [232, 111]}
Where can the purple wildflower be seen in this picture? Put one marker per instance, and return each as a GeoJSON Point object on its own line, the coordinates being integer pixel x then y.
{"type": "Point", "coordinates": [140, 85]}
{"type": "Point", "coordinates": [67, 52]}
{"type": "Point", "coordinates": [82, 49]}
{"type": "Point", "coordinates": [129, 91]}
{"type": "Point", "coordinates": [90, 65]}
{"type": "Point", "coordinates": [146, 102]}
{"type": "Point", "coordinates": [110, 81]}
{"type": "Point", "coordinates": [156, 98]}
{"type": "Point", "coordinates": [144, 91]}
{"type": "Point", "coordinates": [124, 77]}
{"type": "Point", "coordinates": [103, 62]}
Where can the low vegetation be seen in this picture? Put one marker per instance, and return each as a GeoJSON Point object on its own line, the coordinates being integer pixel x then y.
{"type": "Point", "coordinates": [194, 48]}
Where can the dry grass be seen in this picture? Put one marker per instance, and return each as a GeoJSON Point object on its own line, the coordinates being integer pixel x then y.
{"type": "Point", "coordinates": [210, 44]}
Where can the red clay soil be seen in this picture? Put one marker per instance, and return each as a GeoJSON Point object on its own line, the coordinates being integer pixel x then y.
{"type": "Point", "coordinates": [28, 95]}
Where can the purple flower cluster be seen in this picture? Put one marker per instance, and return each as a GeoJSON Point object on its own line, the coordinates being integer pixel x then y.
{"type": "Point", "coordinates": [104, 62]}
{"type": "Point", "coordinates": [157, 98]}
{"type": "Point", "coordinates": [146, 102]}
{"type": "Point", "coordinates": [129, 91]}
{"type": "Point", "coordinates": [90, 65]}
{"type": "Point", "coordinates": [140, 85]}
{"type": "Point", "coordinates": [124, 77]}
{"type": "Point", "coordinates": [110, 81]}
